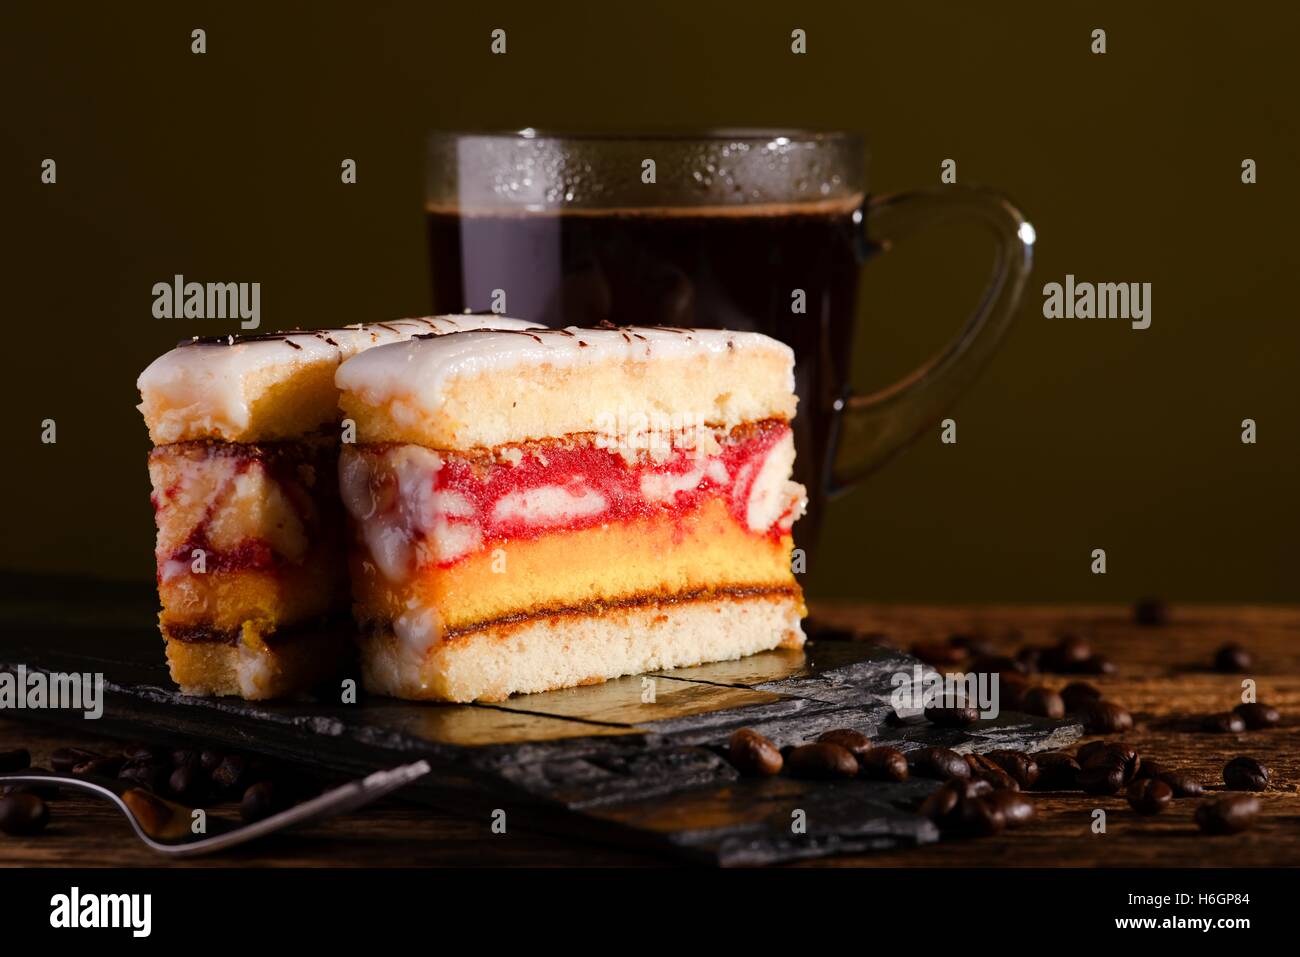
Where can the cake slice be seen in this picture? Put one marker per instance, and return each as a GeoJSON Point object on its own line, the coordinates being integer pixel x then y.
{"type": "Point", "coordinates": [251, 565]}
{"type": "Point", "coordinates": [546, 508]}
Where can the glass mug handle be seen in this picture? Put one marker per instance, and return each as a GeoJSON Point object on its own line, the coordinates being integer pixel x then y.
{"type": "Point", "coordinates": [869, 429]}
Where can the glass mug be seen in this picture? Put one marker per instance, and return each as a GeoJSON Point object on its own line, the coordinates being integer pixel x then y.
{"type": "Point", "coordinates": [756, 230]}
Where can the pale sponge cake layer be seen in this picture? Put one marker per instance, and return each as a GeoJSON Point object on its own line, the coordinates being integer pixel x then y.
{"type": "Point", "coordinates": [484, 389]}
{"type": "Point", "coordinates": [255, 668]}
{"type": "Point", "coordinates": [269, 387]}
{"type": "Point", "coordinates": [562, 651]}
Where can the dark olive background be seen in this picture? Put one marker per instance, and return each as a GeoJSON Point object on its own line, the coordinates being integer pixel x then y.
{"type": "Point", "coordinates": [1079, 435]}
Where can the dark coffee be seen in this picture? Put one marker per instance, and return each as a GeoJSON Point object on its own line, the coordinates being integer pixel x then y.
{"type": "Point", "coordinates": [728, 267]}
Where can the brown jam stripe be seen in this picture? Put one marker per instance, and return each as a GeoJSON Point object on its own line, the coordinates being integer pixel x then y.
{"type": "Point", "coordinates": [206, 634]}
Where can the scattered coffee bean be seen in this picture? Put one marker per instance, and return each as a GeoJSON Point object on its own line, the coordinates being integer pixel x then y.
{"type": "Point", "coordinates": [1258, 715]}
{"type": "Point", "coordinates": [210, 759]}
{"type": "Point", "coordinates": [260, 801]}
{"type": "Point", "coordinates": [940, 763]}
{"type": "Point", "coordinates": [970, 787]}
{"type": "Point", "coordinates": [1042, 702]}
{"type": "Point", "coordinates": [184, 756]}
{"type": "Point", "coordinates": [821, 762]}
{"type": "Point", "coordinates": [855, 742]}
{"type": "Point", "coordinates": [883, 764]}
{"type": "Point", "coordinates": [1150, 612]}
{"type": "Point", "coordinates": [1077, 695]}
{"type": "Point", "coordinates": [984, 768]}
{"type": "Point", "coordinates": [753, 754]}
{"type": "Point", "coordinates": [1245, 774]}
{"type": "Point", "coordinates": [1112, 754]}
{"type": "Point", "coordinates": [1149, 796]}
{"type": "Point", "coordinates": [996, 665]}
{"type": "Point", "coordinates": [231, 774]}
{"type": "Point", "coordinates": [146, 774]}
{"type": "Point", "coordinates": [1021, 766]}
{"type": "Point", "coordinates": [1106, 717]}
{"type": "Point", "coordinates": [1233, 659]}
{"type": "Point", "coordinates": [952, 717]}
{"type": "Point", "coordinates": [1226, 722]}
{"type": "Point", "coordinates": [1182, 784]}
{"type": "Point", "coordinates": [938, 653]}
{"type": "Point", "coordinates": [18, 759]}
{"type": "Point", "coordinates": [1101, 779]}
{"type": "Point", "coordinates": [941, 803]}
{"type": "Point", "coordinates": [23, 814]}
{"type": "Point", "coordinates": [145, 754]}
{"type": "Point", "coordinates": [979, 817]}
{"type": "Point", "coordinates": [1097, 665]}
{"type": "Point", "coordinates": [101, 767]}
{"type": "Point", "coordinates": [1230, 814]}
{"type": "Point", "coordinates": [1149, 769]}
{"type": "Point", "coordinates": [1016, 808]}
{"type": "Point", "coordinates": [1066, 656]}
{"type": "Point", "coordinates": [188, 784]}
{"type": "Point", "coordinates": [971, 644]}
{"type": "Point", "coordinates": [1030, 658]}
{"type": "Point", "coordinates": [1057, 771]}
{"type": "Point", "coordinates": [65, 759]}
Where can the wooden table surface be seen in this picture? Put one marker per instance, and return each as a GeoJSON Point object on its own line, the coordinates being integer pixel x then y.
{"type": "Point", "coordinates": [1163, 678]}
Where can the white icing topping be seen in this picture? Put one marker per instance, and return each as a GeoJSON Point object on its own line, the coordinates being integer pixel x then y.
{"type": "Point", "coordinates": [206, 388]}
{"type": "Point", "coordinates": [412, 375]}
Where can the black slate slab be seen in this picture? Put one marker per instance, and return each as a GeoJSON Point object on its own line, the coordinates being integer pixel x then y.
{"type": "Point", "coordinates": [637, 759]}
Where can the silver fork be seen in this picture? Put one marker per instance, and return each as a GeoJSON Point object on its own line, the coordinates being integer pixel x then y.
{"type": "Point", "coordinates": [166, 826]}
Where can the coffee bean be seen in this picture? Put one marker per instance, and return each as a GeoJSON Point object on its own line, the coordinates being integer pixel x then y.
{"type": "Point", "coordinates": [1182, 784]}
{"type": "Point", "coordinates": [971, 644]}
{"type": "Point", "coordinates": [16, 760]}
{"type": "Point", "coordinates": [145, 774]}
{"type": "Point", "coordinates": [952, 717]}
{"type": "Point", "coordinates": [1097, 665]}
{"type": "Point", "coordinates": [23, 814]}
{"type": "Point", "coordinates": [260, 801]}
{"type": "Point", "coordinates": [46, 792]}
{"type": "Point", "coordinates": [1149, 769]}
{"type": "Point", "coordinates": [984, 768]}
{"type": "Point", "coordinates": [941, 763]}
{"type": "Point", "coordinates": [970, 787]}
{"type": "Point", "coordinates": [1246, 774]}
{"type": "Point", "coordinates": [996, 665]}
{"type": "Point", "coordinates": [1066, 656]}
{"type": "Point", "coordinates": [1042, 702]}
{"type": "Point", "coordinates": [1077, 695]}
{"type": "Point", "coordinates": [146, 754]}
{"type": "Point", "coordinates": [754, 755]}
{"type": "Point", "coordinates": [1091, 751]}
{"type": "Point", "coordinates": [1101, 778]}
{"type": "Point", "coordinates": [1258, 715]}
{"type": "Point", "coordinates": [1150, 612]}
{"type": "Point", "coordinates": [821, 762]}
{"type": "Point", "coordinates": [1057, 771]}
{"type": "Point", "coordinates": [186, 756]}
{"type": "Point", "coordinates": [1149, 796]}
{"type": "Point", "coordinates": [855, 742]}
{"type": "Point", "coordinates": [979, 817]}
{"type": "Point", "coordinates": [941, 803]}
{"type": "Point", "coordinates": [103, 767]}
{"type": "Point", "coordinates": [1230, 814]}
{"type": "Point", "coordinates": [1021, 766]}
{"type": "Point", "coordinates": [1225, 722]}
{"type": "Point", "coordinates": [883, 764]}
{"type": "Point", "coordinates": [1106, 717]}
{"type": "Point", "coordinates": [188, 784]}
{"type": "Point", "coordinates": [939, 653]}
{"type": "Point", "coordinates": [210, 759]}
{"type": "Point", "coordinates": [1112, 754]}
{"type": "Point", "coordinates": [1016, 808]}
{"type": "Point", "coordinates": [1030, 658]}
{"type": "Point", "coordinates": [1233, 659]}
{"type": "Point", "coordinates": [231, 774]}
{"type": "Point", "coordinates": [65, 759]}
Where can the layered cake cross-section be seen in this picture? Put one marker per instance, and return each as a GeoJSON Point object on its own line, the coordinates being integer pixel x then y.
{"type": "Point", "coordinates": [539, 509]}
{"type": "Point", "coordinates": [251, 565]}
